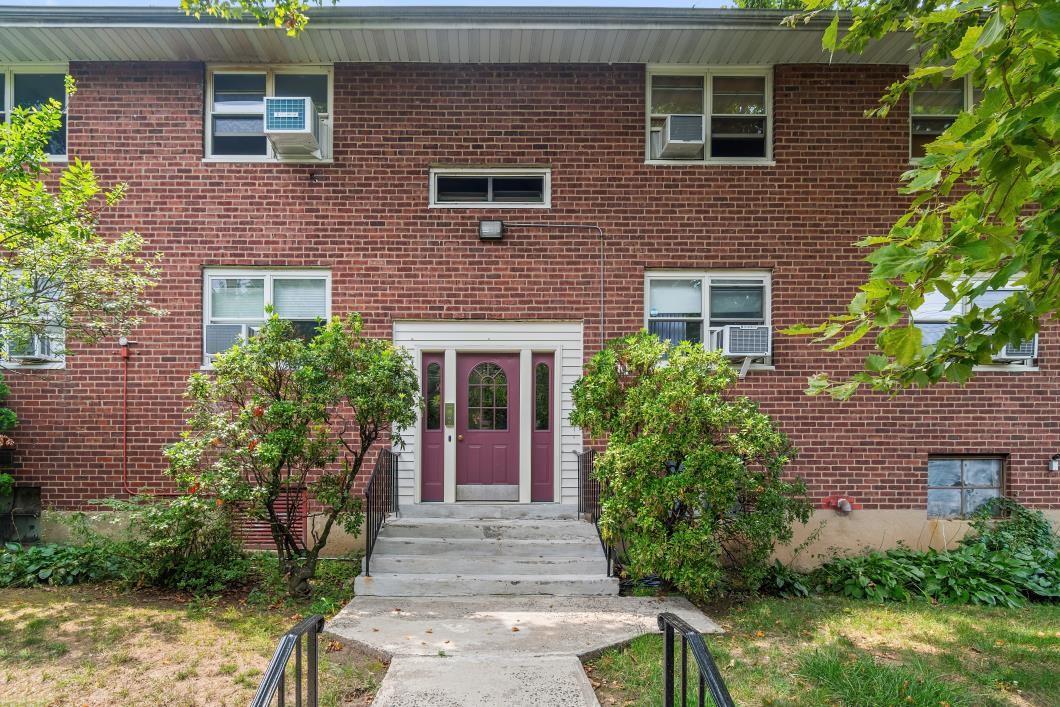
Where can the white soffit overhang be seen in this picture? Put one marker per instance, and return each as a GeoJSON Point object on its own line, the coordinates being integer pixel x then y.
{"type": "Point", "coordinates": [431, 34]}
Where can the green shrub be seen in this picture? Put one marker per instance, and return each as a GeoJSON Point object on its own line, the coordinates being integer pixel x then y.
{"type": "Point", "coordinates": [28, 566]}
{"type": "Point", "coordinates": [183, 543]}
{"type": "Point", "coordinates": [1009, 556]}
{"type": "Point", "coordinates": [692, 477]}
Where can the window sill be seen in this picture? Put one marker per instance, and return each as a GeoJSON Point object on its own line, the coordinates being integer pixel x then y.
{"type": "Point", "coordinates": [59, 159]}
{"type": "Point", "coordinates": [10, 366]}
{"type": "Point", "coordinates": [487, 205]}
{"type": "Point", "coordinates": [1005, 368]}
{"type": "Point", "coordinates": [264, 160]}
{"type": "Point", "coordinates": [713, 163]}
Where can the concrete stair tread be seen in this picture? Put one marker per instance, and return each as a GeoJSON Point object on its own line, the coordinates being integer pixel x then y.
{"type": "Point", "coordinates": [490, 511]}
{"type": "Point", "coordinates": [457, 585]}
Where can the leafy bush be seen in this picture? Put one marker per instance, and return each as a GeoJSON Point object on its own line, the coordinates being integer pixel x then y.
{"type": "Point", "coordinates": [183, 543]}
{"type": "Point", "coordinates": [1002, 561]}
{"type": "Point", "coordinates": [28, 566]}
{"type": "Point", "coordinates": [692, 475]}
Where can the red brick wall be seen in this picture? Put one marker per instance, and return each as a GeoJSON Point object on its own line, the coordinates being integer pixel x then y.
{"type": "Point", "coordinates": [366, 218]}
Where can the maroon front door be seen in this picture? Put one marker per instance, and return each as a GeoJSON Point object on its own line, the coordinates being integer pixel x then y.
{"type": "Point", "coordinates": [487, 427]}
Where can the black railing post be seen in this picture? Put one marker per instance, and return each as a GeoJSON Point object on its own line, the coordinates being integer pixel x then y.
{"type": "Point", "coordinates": [709, 676]}
{"type": "Point", "coordinates": [380, 498]}
{"type": "Point", "coordinates": [668, 666]}
{"type": "Point", "coordinates": [274, 681]}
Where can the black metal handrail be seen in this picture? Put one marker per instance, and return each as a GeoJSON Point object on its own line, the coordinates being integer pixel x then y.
{"type": "Point", "coordinates": [709, 676]}
{"type": "Point", "coordinates": [273, 682]}
{"type": "Point", "coordinates": [380, 500]}
{"type": "Point", "coordinates": [589, 490]}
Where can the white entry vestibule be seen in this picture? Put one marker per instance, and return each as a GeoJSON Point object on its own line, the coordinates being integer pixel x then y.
{"type": "Point", "coordinates": [445, 340]}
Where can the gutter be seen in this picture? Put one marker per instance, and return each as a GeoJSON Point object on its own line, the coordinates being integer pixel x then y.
{"type": "Point", "coordinates": [411, 18]}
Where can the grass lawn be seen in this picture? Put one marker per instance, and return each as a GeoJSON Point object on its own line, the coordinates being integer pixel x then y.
{"type": "Point", "coordinates": [829, 651]}
{"type": "Point", "coordinates": [95, 645]}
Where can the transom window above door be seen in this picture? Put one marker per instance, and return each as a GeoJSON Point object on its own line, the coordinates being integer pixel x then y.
{"type": "Point", "coordinates": [459, 187]}
{"type": "Point", "coordinates": [704, 307]}
{"type": "Point", "coordinates": [235, 303]}
{"type": "Point", "coordinates": [722, 115]}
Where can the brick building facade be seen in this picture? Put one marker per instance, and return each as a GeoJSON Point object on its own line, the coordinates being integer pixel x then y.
{"type": "Point", "coordinates": [365, 218]}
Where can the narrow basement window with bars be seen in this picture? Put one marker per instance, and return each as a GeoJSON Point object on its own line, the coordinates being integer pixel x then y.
{"type": "Point", "coordinates": [722, 115]}
{"type": "Point", "coordinates": [236, 301]}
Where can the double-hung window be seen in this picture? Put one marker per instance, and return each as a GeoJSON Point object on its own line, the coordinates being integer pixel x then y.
{"type": "Point", "coordinates": [935, 317]}
{"type": "Point", "coordinates": [236, 301]}
{"type": "Point", "coordinates": [235, 100]}
{"type": "Point", "coordinates": [32, 87]}
{"type": "Point", "coordinates": [719, 115]}
{"type": "Point", "coordinates": [958, 486]}
{"type": "Point", "coordinates": [35, 339]}
{"type": "Point", "coordinates": [933, 108]}
{"type": "Point", "coordinates": [697, 306]}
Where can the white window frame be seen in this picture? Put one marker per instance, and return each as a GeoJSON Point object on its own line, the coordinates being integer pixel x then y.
{"type": "Point", "coordinates": [58, 344]}
{"type": "Point", "coordinates": [709, 73]}
{"type": "Point", "coordinates": [968, 93]}
{"type": "Point", "coordinates": [544, 172]}
{"type": "Point", "coordinates": [270, 71]}
{"type": "Point", "coordinates": [963, 308]}
{"type": "Point", "coordinates": [719, 276]}
{"type": "Point", "coordinates": [7, 76]}
{"type": "Point", "coordinates": [268, 274]}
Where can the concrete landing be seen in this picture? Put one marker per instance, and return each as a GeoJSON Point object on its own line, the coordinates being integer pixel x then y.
{"type": "Point", "coordinates": [469, 681]}
{"type": "Point", "coordinates": [504, 625]}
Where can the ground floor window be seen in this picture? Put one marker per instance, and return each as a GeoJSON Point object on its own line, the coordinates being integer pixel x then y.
{"type": "Point", "coordinates": [235, 303]}
{"type": "Point", "coordinates": [958, 486]}
{"type": "Point", "coordinates": [706, 307]}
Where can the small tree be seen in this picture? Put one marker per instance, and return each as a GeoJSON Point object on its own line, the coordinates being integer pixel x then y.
{"type": "Point", "coordinates": [692, 476]}
{"type": "Point", "coordinates": [279, 414]}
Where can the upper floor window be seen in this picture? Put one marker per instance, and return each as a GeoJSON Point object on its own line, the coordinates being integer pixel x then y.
{"type": "Point", "coordinates": [722, 309]}
{"type": "Point", "coordinates": [235, 302]}
{"type": "Point", "coordinates": [235, 99]}
{"type": "Point", "coordinates": [31, 87]}
{"type": "Point", "coordinates": [714, 115]}
{"type": "Point", "coordinates": [958, 486]}
{"type": "Point", "coordinates": [459, 187]}
{"type": "Point", "coordinates": [934, 317]}
{"type": "Point", "coordinates": [933, 108]}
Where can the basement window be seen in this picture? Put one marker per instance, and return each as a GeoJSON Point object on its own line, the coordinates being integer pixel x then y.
{"type": "Point", "coordinates": [958, 486]}
{"type": "Point", "coordinates": [471, 188]}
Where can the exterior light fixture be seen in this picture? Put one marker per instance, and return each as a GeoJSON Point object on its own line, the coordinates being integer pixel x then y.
{"type": "Point", "coordinates": [490, 230]}
{"type": "Point", "coordinates": [1054, 463]}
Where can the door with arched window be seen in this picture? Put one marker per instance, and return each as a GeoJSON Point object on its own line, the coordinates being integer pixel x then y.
{"type": "Point", "coordinates": [487, 427]}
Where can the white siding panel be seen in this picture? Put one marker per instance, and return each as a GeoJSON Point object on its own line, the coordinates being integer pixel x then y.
{"type": "Point", "coordinates": [421, 336]}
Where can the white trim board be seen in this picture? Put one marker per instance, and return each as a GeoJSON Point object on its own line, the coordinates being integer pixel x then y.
{"type": "Point", "coordinates": [562, 338]}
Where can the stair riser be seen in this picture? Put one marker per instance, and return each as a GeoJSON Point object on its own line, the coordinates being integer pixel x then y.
{"type": "Point", "coordinates": [486, 548]}
{"type": "Point", "coordinates": [478, 511]}
{"type": "Point", "coordinates": [484, 531]}
{"type": "Point", "coordinates": [476, 586]}
{"type": "Point", "coordinates": [487, 565]}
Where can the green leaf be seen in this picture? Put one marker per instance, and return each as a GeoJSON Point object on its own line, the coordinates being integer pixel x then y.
{"type": "Point", "coordinates": [903, 343]}
{"type": "Point", "coordinates": [830, 39]}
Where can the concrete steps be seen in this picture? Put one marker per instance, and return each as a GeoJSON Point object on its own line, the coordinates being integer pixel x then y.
{"type": "Point", "coordinates": [456, 550]}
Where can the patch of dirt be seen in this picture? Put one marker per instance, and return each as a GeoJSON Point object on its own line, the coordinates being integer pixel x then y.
{"type": "Point", "coordinates": [85, 646]}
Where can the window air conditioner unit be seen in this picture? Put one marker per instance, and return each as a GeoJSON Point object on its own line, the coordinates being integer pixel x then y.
{"type": "Point", "coordinates": [1026, 351]}
{"type": "Point", "coordinates": [683, 136]}
{"type": "Point", "coordinates": [292, 126]}
{"type": "Point", "coordinates": [747, 341]}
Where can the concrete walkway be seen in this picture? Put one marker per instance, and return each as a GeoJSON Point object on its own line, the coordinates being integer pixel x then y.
{"type": "Point", "coordinates": [487, 651]}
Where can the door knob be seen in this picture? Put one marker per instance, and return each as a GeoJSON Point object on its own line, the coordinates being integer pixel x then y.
{"type": "Point", "coordinates": [460, 438]}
